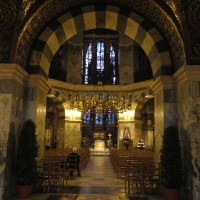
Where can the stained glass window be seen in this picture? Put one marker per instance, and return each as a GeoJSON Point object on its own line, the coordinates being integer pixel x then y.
{"type": "Point", "coordinates": [98, 118]}
{"type": "Point", "coordinates": [88, 58]}
{"type": "Point", "coordinates": [100, 57]}
{"type": "Point", "coordinates": [86, 117]}
{"type": "Point", "coordinates": [111, 118]}
{"type": "Point", "coordinates": [112, 62]}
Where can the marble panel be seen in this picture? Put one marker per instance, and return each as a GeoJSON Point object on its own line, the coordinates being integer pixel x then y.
{"type": "Point", "coordinates": [31, 94]}
{"type": "Point", "coordinates": [69, 134]}
{"type": "Point", "coordinates": [126, 69]}
{"type": "Point", "coordinates": [6, 86]}
{"type": "Point", "coordinates": [126, 75]}
{"type": "Point", "coordinates": [74, 67]}
{"type": "Point", "coordinates": [40, 130]}
{"type": "Point", "coordinates": [5, 110]}
{"type": "Point", "coordinates": [169, 96]}
{"type": "Point", "coordinates": [60, 133]}
{"type": "Point", "coordinates": [30, 110]}
{"type": "Point", "coordinates": [42, 97]}
{"type": "Point", "coordinates": [189, 114]}
{"type": "Point", "coordinates": [170, 114]}
{"type": "Point", "coordinates": [72, 135]}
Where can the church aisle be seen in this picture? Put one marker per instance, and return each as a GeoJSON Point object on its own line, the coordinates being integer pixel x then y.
{"type": "Point", "coordinates": [98, 172]}
{"type": "Point", "coordinates": [98, 181]}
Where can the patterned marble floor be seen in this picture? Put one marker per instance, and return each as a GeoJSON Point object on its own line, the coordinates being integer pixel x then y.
{"type": "Point", "coordinates": [98, 172]}
{"type": "Point", "coordinates": [98, 181]}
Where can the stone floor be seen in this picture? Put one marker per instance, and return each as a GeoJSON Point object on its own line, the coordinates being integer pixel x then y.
{"type": "Point", "coordinates": [98, 181]}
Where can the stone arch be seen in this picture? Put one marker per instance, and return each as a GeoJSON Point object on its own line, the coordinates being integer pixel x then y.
{"type": "Point", "coordinates": [59, 101]}
{"type": "Point", "coordinates": [129, 23]}
{"type": "Point", "coordinates": [140, 101]}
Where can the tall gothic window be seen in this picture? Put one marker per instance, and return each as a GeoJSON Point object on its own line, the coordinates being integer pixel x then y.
{"type": "Point", "coordinates": [88, 58]}
{"type": "Point", "coordinates": [113, 63]}
{"type": "Point", "coordinates": [100, 56]}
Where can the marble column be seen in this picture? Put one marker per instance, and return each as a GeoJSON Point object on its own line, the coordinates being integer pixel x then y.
{"type": "Point", "coordinates": [35, 106]}
{"type": "Point", "coordinates": [165, 108]}
{"type": "Point", "coordinates": [12, 87]}
{"type": "Point", "coordinates": [188, 101]}
{"type": "Point", "coordinates": [138, 132]}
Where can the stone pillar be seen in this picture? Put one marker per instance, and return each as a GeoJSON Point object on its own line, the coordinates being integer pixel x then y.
{"type": "Point", "coordinates": [12, 84]}
{"type": "Point", "coordinates": [188, 100]}
{"type": "Point", "coordinates": [138, 132]}
{"type": "Point", "coordinates": [165, 108]}
{"type": "Point", "coordinates": [35, 106]}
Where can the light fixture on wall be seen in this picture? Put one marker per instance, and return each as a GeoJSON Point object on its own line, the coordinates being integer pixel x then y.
{"type": "Point", "coordinates": [100, 101]}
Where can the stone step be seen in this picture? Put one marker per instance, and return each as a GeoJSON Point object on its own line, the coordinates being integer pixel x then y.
{"type": "Point", "coordinates": [99, 151]}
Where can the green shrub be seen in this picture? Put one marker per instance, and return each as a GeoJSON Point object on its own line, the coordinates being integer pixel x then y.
{"type": "Point", "coordinates": [27, 151]}
{"type": "Point", "coordinates": [171, 159]}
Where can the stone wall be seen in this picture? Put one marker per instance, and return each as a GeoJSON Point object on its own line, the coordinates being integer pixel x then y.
{"type": "Point", "coordinates": [189, 115]}
{"type": "Point", "coordinates": [12, 92]}
{"type": "Point", "coordinates": [126, 68]}
{"type": "Point", "coordinates": [74, 64]}
{"type": "Point", "coordinates": [69, 134]}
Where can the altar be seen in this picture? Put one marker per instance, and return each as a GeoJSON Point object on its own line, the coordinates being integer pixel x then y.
{"type": "Point", "coordinates": [99, 141]}
{"type": "Point", "coordinates": [99, 144]}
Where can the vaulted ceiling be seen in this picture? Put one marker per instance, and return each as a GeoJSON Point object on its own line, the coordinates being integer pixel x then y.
{"type": "Point", "coordinates": [22, 23]}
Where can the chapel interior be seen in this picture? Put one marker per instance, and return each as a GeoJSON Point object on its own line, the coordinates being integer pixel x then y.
{"type": "Point", "coordinates": [92, 72]}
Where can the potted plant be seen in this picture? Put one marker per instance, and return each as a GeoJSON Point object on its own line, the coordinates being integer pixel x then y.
{"type": "Point", "coordinates": [109, 143]}
{"type": "Point", "coordinates": [26, 166]}
{"type": "Point", "coordinates": [126, 143]}
{"type": "Point", "coordinates": [171, 163]}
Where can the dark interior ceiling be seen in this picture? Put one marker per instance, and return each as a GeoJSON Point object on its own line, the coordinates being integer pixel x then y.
{"type": "Point", "coordinates": [16, 13]}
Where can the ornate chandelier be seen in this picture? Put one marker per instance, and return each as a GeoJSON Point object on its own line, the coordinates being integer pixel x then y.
{"type": "Point", "coordinates": [100, 101]}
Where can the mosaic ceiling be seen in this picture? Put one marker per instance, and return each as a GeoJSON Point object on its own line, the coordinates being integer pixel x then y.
{"type": "Point", "coordinates": [23, 21]}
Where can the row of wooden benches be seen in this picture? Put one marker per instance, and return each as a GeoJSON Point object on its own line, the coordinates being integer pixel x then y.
{"type": "Point", "coordinates": [139, 170]}
{"type": "Point", "coordinates": [53, 168]}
